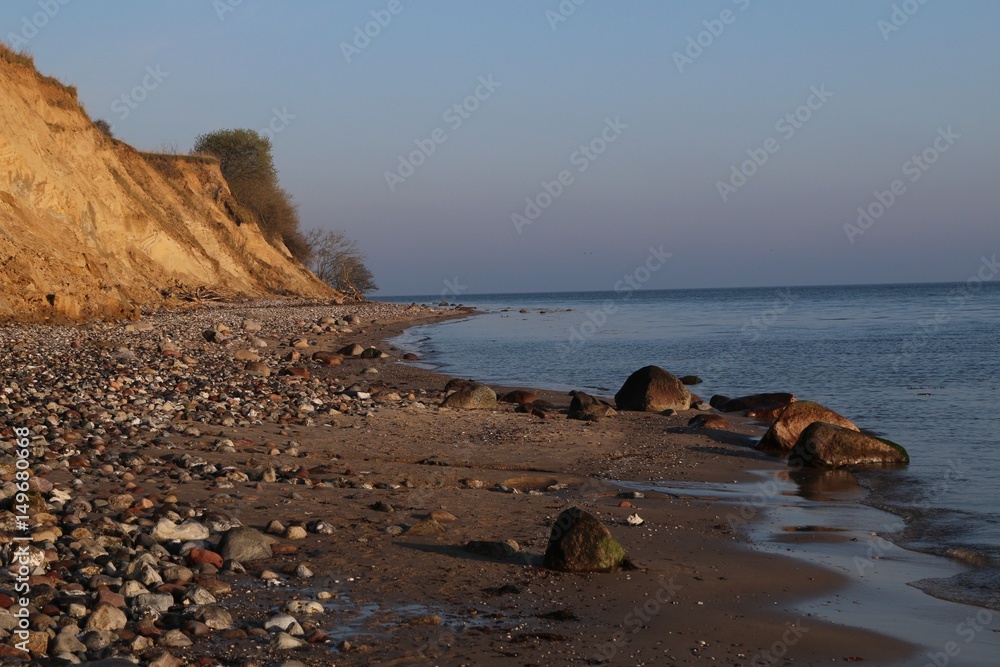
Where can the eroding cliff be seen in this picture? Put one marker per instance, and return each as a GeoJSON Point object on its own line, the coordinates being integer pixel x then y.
{"type": "Point", "coordinates": [92, 228]}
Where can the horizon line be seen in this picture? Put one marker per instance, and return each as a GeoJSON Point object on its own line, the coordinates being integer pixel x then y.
{"type": "Point", "coordinates": [676, 289]}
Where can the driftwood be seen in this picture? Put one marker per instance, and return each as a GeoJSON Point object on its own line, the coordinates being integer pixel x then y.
{"type": "Point", "coordinates": [194, 294]}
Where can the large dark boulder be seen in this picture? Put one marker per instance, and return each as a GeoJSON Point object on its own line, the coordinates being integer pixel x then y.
{"type": "Point", "coordinates": [652, 389]}
{"type": "Point", "coordinates": [823, 445]}
{"type": "Point", "coordinates": [471, 397]}
{"type": "Point", "coordinates": [718, 400]}
{"type": "Point", "coordinates": [587, 407]}
{"type": "Point", "coordinates": [581, 543]}
{"type": "Point", "coordinates": [785, 431]}
{"type": "Point", "coordinates": [755, 402]}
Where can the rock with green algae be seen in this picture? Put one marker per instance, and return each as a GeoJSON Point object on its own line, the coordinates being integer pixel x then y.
{"type": "Point", "coordinates": [823, 445]}
{"type": "Point", "coordinates": [473, 397]}
{"type": "Point", "coordinates": [580, 543]}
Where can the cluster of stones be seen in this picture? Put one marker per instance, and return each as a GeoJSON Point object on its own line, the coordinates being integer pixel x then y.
{"type": "Point", "coordinates": [119, 565]}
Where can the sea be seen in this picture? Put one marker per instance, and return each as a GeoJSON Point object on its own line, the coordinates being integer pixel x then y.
{"type": "Point", "coordinates": [916, 363]}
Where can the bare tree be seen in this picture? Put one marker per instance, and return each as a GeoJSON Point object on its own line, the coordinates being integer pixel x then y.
{"type": "Point", "coordinates": [339, 262]}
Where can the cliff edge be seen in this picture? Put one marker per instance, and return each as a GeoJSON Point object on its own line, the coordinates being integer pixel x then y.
{"type": "Point", "coordinates": [92, 228]}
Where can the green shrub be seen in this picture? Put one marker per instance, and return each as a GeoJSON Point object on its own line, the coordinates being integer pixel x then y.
{"type": "Point", "coordinates": [248, 166]}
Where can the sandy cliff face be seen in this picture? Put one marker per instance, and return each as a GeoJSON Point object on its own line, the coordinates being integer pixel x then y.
{"type": "Point", "coordinates": [90, 227]}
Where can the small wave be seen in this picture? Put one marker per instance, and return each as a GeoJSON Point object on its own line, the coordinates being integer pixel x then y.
{"type": "Point", "coordinates": [970, 556]}
{"type": "Point", "coordinates": [980, 588]}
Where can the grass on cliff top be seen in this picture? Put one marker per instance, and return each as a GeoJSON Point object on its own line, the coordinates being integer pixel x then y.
{"type": "Point", "coordinates": [24, 59]}
{"type": "Point", "coordinates": [195, 158]}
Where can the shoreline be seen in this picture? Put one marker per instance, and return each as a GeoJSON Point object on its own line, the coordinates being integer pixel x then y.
{"type": "Point", "coordinates": [759, 477]}
{"type": "Point", "coordinates": [810, 543]}
{"type": "Point", "coordinates": [387, 458]}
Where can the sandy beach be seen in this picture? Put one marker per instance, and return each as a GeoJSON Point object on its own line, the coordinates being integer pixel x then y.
{"type": "Point", "coordinates": [368, 457]}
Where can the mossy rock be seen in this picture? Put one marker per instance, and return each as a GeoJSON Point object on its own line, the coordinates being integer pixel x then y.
{"type": "Point", "coordinates": [473, 397]}
{"type": "Point", "coordinates": [580, 543]}
{"type": "Point", "coordinates": [823, 445]}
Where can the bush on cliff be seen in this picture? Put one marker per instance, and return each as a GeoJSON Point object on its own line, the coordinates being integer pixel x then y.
{"type": "Point", "coordinates": [248, 166]}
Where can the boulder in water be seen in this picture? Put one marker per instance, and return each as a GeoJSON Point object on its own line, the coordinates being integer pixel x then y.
{"type": "Point", "coordinates": [718, 400]}
{"type": "Point", "coordinates": [755, 402]}
{"type": "Point", "coordinates": [785, 432]}
{"type": "Point", "coordinates": [822, 445]}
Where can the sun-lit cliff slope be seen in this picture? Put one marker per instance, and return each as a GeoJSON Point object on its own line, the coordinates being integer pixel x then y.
{"type": "Point", "coordinates": [92, 228]}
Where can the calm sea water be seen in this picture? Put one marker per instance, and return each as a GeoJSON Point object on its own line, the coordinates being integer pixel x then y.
{"type": "Point", "coordinates": [917, 363]}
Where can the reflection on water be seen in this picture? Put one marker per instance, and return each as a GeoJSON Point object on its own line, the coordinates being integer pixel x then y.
{"type": "Point", "coordinates": [826, 484]}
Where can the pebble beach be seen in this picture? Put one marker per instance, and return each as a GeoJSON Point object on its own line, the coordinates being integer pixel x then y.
{"type": "Point", "coordinates": [269, 483]}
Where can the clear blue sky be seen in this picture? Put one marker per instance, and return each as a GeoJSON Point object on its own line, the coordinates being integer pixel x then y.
{"type": "Point", "coordinates": [231, 64]}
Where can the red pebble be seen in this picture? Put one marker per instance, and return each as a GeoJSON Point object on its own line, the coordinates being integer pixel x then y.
{"type": "Point", "coordinates": [198, 556]}
{"type": "Point", "coordinates": [105, 594]}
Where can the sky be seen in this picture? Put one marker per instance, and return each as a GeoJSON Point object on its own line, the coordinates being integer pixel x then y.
{"type": "Point", "coordinates": [547, 145]}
